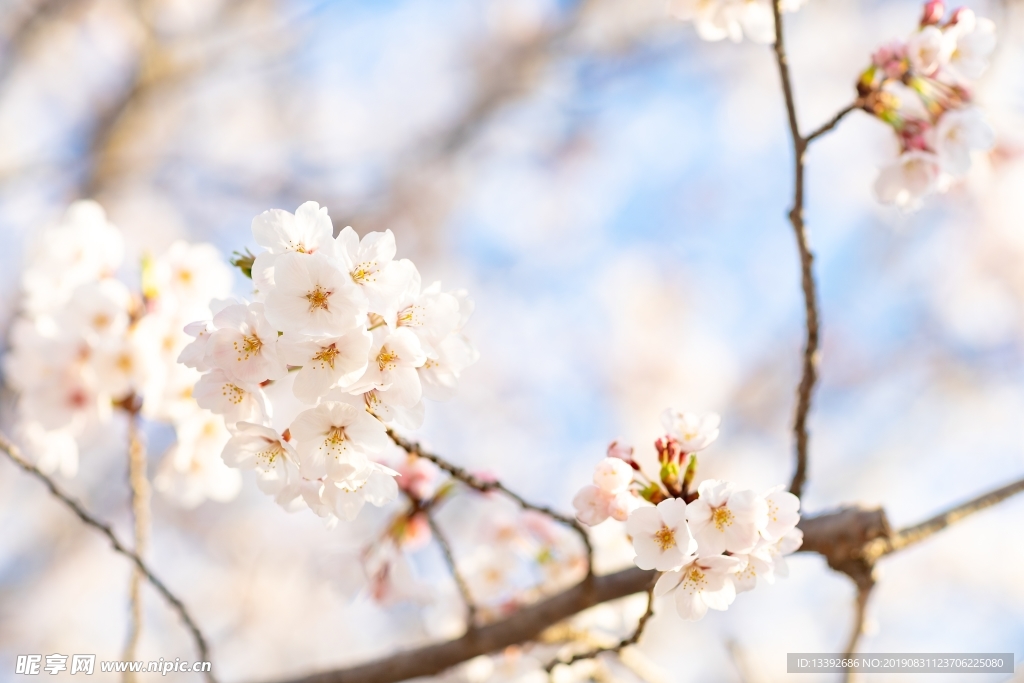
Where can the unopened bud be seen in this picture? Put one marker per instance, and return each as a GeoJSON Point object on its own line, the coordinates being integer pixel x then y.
{"type": "Point", "coordinates": [933, 12]}
{"type": "Point", "coordinates": [668, 449]}
{"type": "Point", "coordinates": [670, 475]}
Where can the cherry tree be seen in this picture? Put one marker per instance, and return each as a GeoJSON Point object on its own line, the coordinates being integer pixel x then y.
{"type": "Point", "coordinates": [313, 376]}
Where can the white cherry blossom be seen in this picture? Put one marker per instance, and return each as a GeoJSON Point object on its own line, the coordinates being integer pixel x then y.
{"type": "Point", "coordinates": [193, 354]}
{"type": "Point", "coordinates": [307, 231]}
{"type": "Point", "coordinates": [312, 296]}
{"type": "Point", "coordinates": [726, 519]}
{"type": "Point", "coordinates": [440, 374]}
{"type": "Point", "coordinates": [757, 564]}
{"type": "Point", "coordinates": [192, 274]}
{"type": "Point", "coordinates": [613, 475]}
{"type": "Point", "coordinates": [383, 404]}
{"type": "Point", "coordinates": [733, 19]}
{"type": "Point", "coordinates": [956, 134]}
{"type": "Point", "coordinates": [783, 512]}
{"type": "Point", "coordinates": [972, 41]}
{"type": "Point", "coordinates": [237, 401]}
{"type": "Point", "coordinates": [335, 440]}
{"type": "Point", "coordinates": [394, 357]}
{"type": "Point", "coordinates": [245, 345]}
{"type": "Point", "coordinates": [693, 431]}
{"type": "Point", "coordinates": [661, 537]}
{"type": "Point", "coordinates": [591, 504]}
{"type": "Point", "coordinates": [701, 583]}
{"type": "Point", "coordinates": [910, 178]}
{"type": "Point", "coordinates": [192, 470]}
{"type": "Point", "coordinates": [83, 248]}
{"type": "Point", "coordinates": [928, 50]}
{"type": "Point", "coordinates": [262, 449]}
{"type": "Point", "coordinates": [326, 362]}
{"type": "Point", "coordinates": [369, 263]}
{"type": "Point", "coordinates": [374, 484]}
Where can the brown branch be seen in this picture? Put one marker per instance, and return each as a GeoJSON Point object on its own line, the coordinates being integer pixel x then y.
{"type": "Point", "coordinates": [15, 455]}
{"type": "Point", "coordinates": [809, 374]}
{"type": "Point", "coordinates": [844, 537]}
{"type": "Point", "coordinates": [139, 485]}
{"type": "Point", "coordinates": [474, 482]}
{"type": "Point", "coordinates": [915, 534]}
{"type": "Point", "coordinates": [523, 626]}
{"type": "Point", "coordinates": [834, 121]}
{"type": "Point", "coordinates": [460, 580]}
{"type": "Point", "coordinates": [632, 639]}
{"type": "Point", "coordinates": [863, 594]}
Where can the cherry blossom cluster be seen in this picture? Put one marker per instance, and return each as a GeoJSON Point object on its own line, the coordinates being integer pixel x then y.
{"type": "Point", "coordinates": [356, 340]}
{"type": "Point", "coordinates": [85, 345]}
{"type": "Point", "coordinates": [921, 87]}
{"type": "Point", "coordinates": [710, 543]}
{"type": "Point", "coordinates": [733, 19]}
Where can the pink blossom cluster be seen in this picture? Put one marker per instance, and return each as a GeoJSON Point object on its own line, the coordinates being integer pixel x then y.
{"type": "Point", "coordinates": [86, 346]}
{"type": "Point", "coordinates": [340, 341]}
{"type": "Point", "coordinates": [921, 87]}
{"type": "Point", "coordinates": [710, 543]}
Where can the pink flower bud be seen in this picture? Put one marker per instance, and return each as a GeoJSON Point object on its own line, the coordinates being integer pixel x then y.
{"type": "Point", "coordinates": [933, 12]}
{"type": "Point", "coordinates": [620, 451]}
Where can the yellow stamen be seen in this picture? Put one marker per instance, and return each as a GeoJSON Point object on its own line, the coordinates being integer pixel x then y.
{"type": "Point", "coordinates": [386, 359]}
{"type": "Point", "coordinates": [326, 355]}
{"type": "Point", "coordinates": [318, 299]}
{"type": "Point", "coordinates": [666, 538]}
{"type": "Point", "coordinates": [722, 517]}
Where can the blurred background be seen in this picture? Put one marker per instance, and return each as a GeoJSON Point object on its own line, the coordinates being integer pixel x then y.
{"type": "Point", "coordinates": [612, 192]}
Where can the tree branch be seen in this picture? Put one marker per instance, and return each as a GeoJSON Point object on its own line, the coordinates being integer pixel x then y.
{"type": "Point", "coordinates": [809, 374]}
{"type": "Point", "coordinates": [632, 639]}
{"type": "Point", "coordinates": [834, 121]}
{"type": "Point", "coordinates": [15, 455]}
{"type": "Point", "coordinates": [915, 534]}
{"type": "Point", "coordinates": [844, 537]}
{"type": "Point", "coordinates": [460, 581]}
{"type": "Point", "coordinates": [523, 626]}
{"type": "Point", "coordinates": [487, 486]}
{"type": "Point", "coordinates": [139, 485]}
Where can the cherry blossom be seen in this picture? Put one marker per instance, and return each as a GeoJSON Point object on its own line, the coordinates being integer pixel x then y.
{"type": "Point", "coordinates": [702, 582]}
{"type": "Point", "coordinates": [661, 537]}
{"type": "Point", "coordinates": [273, 458]}
{"type": "Point", "coordinates": [733, 19]}
{"type": "Point", "coordinates": [973, 41]}
{"type": "Point", "coordinates": [908, 180]}
{"type": "Point", "coordinates": [368, 262]}
{"type": "Point", "coordinates": [245, 345]}
{"type": "Point", "coordinates": [783, 513]}
{"type": "Point", "coordinates": [192, 470]}
{"type": "Point", "coordinates": [726, 519]}
{"type": "Point", "coordinates": [373, 484]}
{"type": "Point", "coordinates": [691, 431]}
{"type": "Point", "coordinates": [958, 133]}
{"type": "Point", "coordinates": [394, 357]}
{"type": "Point", "coordinates": [236, 401]}
{"type": "Point", "coordinates": [311, 295]}
{"type": "Point", "coordinates": [336, 440]}
{"type": "Point", "coordinates": [326, 362]}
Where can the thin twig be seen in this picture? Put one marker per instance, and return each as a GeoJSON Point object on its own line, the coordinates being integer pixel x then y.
{"type": "Point", "coordinates": [809, 373]}
{"type": "Point", "coordinates": [863, 594]}
{"type": "Point", "coordinates": [632, 639]}
{"type": "Point", "coordinates": [915, 534]}
{"type": "Point", "coordinates": [140, 513]}
{"type": "Point", "coordinates": [833, 122]}
{"type": "Point", "coordinates": [15, 455]}
{"type": "Point", "coordinates": [460, 580]}
{"type": "Point", "coordinates": [486, 486]}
